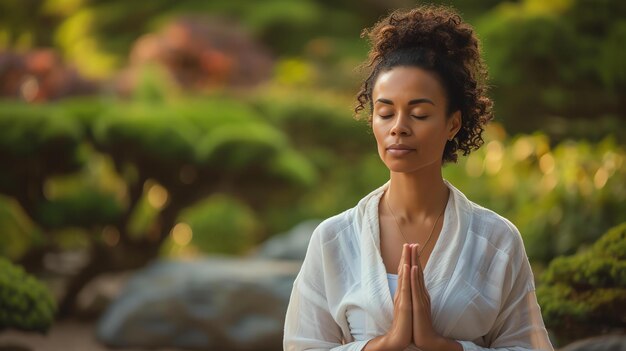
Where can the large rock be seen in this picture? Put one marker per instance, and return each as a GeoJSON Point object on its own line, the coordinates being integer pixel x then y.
{"type": "Point", "coordinates": [99, 293]}
{"type": "Point", "coordinates": [600, 343]}
{"type": "Point", "coordinates": [217, 303]}
{"type": "Point", "coordinates": [291, 245]}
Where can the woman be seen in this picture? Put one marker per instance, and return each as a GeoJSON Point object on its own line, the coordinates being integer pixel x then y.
{"type": "Point", "coordinates": [416, 265]}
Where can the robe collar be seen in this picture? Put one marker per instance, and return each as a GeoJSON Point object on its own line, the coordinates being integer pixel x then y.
{"type": "Point", "coordinates": [447, 247]}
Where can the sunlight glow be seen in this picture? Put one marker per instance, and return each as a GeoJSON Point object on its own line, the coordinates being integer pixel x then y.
{"type": "Point", "coordinates": [182, 234]}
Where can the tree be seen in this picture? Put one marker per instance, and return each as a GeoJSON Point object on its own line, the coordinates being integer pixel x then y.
{"type": "Point", "coordinates": [556, 66]}
{"type": "Point", "coordinates": [187, 151]}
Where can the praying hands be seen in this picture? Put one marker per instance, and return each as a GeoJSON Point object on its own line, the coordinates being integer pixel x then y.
{"type": "Point", "coordinates": [412, 322]}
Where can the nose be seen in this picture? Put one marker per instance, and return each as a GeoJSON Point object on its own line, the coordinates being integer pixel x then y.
{"type": "Point", "coordinates": [400, 126]}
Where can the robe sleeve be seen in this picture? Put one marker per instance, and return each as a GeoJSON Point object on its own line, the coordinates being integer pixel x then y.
{"type": "Point", "coordinates": [309, 324]}
{"type": "Point", "coordinates": [519, 325]}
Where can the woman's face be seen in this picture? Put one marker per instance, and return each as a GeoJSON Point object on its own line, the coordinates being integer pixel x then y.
{"type": "Point", "coordinates": [409, 119]}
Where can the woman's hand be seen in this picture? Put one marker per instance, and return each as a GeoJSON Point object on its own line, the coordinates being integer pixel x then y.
{"type": "Point", "coordinates": [400, 335]}
{"type": "Point", "coordinates": [412, 321]}
{"type": "Point", "coordinates": [424, 335]}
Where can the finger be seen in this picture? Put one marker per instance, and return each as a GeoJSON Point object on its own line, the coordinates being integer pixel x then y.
{"type": "Point", "coordinates": [403, 255]}
{"type": "Point", "coordinates": [414, 254]}
{"type": "Point", "coordinates": [419, 277]}
{"type": "Point", "coordinates": [424, 295]}
{"type": "Point", "coordinates": [417, 257]}
{"type": "Point", "coordinates": [417, 283]}
{"type": "Point", "coordinates": [405, 281]}
{"type": "Point", "coordinates": [406, 288]}
{"type": "Point", "coordinates": [414, 283]}
{"type": "Point", "coordinates": [405, 315]}
{"type": "Point", "coordinates": [400, 280]}
{"type": "Point", "coordinates": [422, 286]}
{"type": "Point", "coordinates": [415, 291]}
{"type": "Point", "coordinates": [407, 257]}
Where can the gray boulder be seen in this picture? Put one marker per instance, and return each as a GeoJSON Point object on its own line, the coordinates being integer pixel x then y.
{"type": "Point", "coordinates": [220, 303]}
{"type": "Point", "coordinates": [291, 245]}
{"type": "Point", "coordinates": [600, 343]}
{"type": "Point", "coordinates": [99, 293]}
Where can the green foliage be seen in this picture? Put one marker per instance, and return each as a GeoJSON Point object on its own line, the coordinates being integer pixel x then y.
{"type": "Point", "coordinates": [36, 142]}
{"type": "Point", "coordinates": [323, 130]}
{"type": "Point", "coordinates": [221, 224]}
{"type": "Point", "coordinates": [586, 292]}
{"type": "Point", "coordinates": [560, 198]}
{"type": "Point", "coordinates": [154, 86]}
{"type": "Point", "coordinates": [315, 123]}
{"type": "Point", "coordinates": [19, 232]}
{"type": "Point", "coordinates": [97, 35]}
{"type": "Point", "coordinates": [278, 136]}
{"type": "Point", "coordinates": [36, 133]}
{"type": "Point", "coordinates": [557, 65]}
{"type": "Point", "coordinates": [25, 303]}
{"type": "Point", "coordinates": [237, 146]}
{"type": "Point", "coordinates": [121, 151]}
{"type": "Point", "coordinates": [83, 208]}
{"type": "Point", "coordinates": [142, 130]}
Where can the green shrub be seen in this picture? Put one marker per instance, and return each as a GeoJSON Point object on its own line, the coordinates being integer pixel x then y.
{"type": "Point", "coordinates": [36, 137]}
{"type": "Point", "coordinates": [25, 303]}
{"type": "Point", "coordinates": [82, 208]}
{"type": "Point", "coordinates": [221, 224]}
{"type": "Point", "coordinates": [586, 293]}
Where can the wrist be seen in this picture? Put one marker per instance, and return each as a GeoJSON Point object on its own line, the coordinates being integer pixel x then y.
{"type": "Point", "coordinates": [442, 343]}
{"type": "Point", "coordinates": [387, 343]}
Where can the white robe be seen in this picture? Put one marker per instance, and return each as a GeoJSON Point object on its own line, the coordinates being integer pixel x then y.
{"type": "Point", "coordinates": [478, 277]}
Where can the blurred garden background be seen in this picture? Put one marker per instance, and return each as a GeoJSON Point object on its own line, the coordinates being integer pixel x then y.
{"type": "Point", "coordinates": [133, 134]}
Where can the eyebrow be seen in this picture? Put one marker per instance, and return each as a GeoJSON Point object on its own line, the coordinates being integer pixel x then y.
{"type": "Point", "coordinates": [412, 102]}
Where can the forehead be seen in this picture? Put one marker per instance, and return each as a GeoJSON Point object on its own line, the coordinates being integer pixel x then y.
{"type": "Point", "coordinates": [407, 83]}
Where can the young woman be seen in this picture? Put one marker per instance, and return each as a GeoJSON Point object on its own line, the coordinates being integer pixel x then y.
{"type": "Point", "coordinates": [416, 265]}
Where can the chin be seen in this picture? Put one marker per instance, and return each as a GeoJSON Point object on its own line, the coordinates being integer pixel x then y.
{"type": "Point", "coordinates": [408, 166]}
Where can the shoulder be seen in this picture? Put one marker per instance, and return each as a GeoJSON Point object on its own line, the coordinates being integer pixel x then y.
{"type": "Point", "coordinates": [500, 244]}
{"type": "Point", "coordinates": [496, 229]}
{"type": "Point", "coordinates": [332, 227]}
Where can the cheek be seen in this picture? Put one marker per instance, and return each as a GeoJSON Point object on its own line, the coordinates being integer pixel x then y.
{"type": "Point", "coordinates": [378, 132]}
{"type": "Point", "coordinates": [379, 136]}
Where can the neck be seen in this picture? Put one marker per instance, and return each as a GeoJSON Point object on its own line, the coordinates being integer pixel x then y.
{"type": "Point", "coordinates": [416, 196]}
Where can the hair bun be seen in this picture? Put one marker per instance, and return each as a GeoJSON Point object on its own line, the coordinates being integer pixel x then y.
{"type": "Point", "coordinates": [434, 28]}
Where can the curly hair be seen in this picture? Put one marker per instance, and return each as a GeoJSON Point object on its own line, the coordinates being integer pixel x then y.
{"type": "Point", "coordinates": [436, 39]}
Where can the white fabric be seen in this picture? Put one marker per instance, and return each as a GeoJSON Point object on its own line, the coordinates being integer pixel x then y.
{"type": "Point", "coordinates": [392, 280]}
{"type": "Point", "coordinates": [478, 276]}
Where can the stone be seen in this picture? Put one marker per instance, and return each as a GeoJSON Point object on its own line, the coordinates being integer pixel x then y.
{"type": "Point", "coordinates": [99, 293]}
{"type": "Point", "coordinates": [291, 245]}
{"type": "Point", "coordinates": [219, 302]}
{"type": "Point", "coordinates": [600, 343]}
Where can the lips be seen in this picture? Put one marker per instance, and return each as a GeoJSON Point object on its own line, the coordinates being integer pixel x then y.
{"type": "Point", "coordinates": [399, 149]}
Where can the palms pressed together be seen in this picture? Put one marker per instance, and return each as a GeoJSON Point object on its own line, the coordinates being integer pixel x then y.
{"type": "Point", "coordinates": [412, 322]}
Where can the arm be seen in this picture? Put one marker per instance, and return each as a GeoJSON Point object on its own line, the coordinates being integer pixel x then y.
{"type": "Point", "coordinates": [309, 324]}
{"type": "Point", "coordinates": [519, 325]}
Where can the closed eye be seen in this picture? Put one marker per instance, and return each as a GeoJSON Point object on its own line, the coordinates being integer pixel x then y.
{"type": "Point", "coordinates": [386, 116]}
{"type": "Point", "coordinates": [419, 117]}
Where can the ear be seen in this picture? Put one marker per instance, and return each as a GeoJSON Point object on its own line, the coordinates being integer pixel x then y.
{"type": "Point", "coordinates": [454, 124]}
